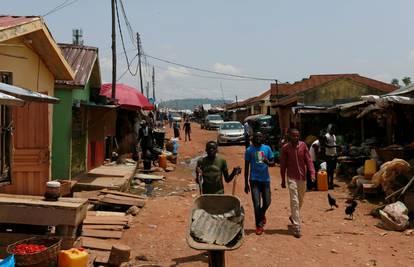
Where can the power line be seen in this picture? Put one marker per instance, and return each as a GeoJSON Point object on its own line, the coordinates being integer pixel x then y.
{"type": "Point", "coordinates": [123, 43]}
{"type": "Point", "coordinates": [203, 76]}
{"type": "Point", "coordinates": [60, 6]}
{"type": "Point", "coordinates": [210, 71]}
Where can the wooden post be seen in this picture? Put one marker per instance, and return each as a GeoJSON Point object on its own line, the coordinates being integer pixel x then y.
{"type": "Point", "coordinates": [119, 254]}
{"type": "Point", "coordinates": [216, 258]}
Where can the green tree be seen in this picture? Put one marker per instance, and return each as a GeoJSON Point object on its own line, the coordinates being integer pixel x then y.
{"type": "Point", "coordinates": [395, 82]}
{"type": "Point", "coordinates": [406, 81]}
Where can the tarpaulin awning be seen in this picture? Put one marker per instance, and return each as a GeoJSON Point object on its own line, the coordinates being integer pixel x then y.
{"type": "Point", "coordinates": [26, 94]}
{"type": "Point", "coordinates": [127, 96]}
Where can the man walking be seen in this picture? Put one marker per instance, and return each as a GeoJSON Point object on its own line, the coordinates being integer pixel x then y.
{"type": "Point", "coordinates": [331, 154]}
{"type": "Point", "coordinates": [295, 159]}
{"type": "Point", "coordinates": [211, 169]}
{"type": "Point", "coordinates": [258, 158]}
{"type": "Point", "coordinates": [187, 129]}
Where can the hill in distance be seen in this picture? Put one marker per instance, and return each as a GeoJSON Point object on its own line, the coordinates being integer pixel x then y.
{"type": "Point", "coordinates": [190, 103]}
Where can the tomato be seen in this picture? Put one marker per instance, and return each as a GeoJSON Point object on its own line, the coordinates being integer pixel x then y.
{"type": "Point", "coordinates": [23, 249]}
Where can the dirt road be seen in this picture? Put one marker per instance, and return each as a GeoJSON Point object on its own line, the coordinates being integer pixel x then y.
{"type": "Point", "coordinates": [158, 233]}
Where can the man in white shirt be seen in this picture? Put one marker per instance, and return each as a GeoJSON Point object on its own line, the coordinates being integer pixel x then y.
{"type": "Point", "coordinates": [331, 154]}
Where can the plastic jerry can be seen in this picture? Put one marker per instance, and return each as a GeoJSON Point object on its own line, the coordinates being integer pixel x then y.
{"type": "Point", "coordinates": [370, 168]}
{"type": "Point", "coordinates": [73, 258]}
{"type": "Point", "coordinates": [322, 181]}
{"type": "Point", "coordinates": [162, 161]}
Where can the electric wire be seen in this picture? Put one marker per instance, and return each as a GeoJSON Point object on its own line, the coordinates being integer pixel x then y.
{"type": "Point", "coordinates": [64, 4]}
{"type": "Point", "coordinates": [210, 71]}
{"type": "Point", "coordinates": [123, 43]}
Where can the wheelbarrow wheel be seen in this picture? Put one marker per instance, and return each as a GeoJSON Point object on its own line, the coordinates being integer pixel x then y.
{"type": "Point", "coordinates": [216, 258]}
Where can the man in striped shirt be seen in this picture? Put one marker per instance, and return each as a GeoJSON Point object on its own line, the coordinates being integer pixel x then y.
{"type": "Point", "coordinates": [296, 160]}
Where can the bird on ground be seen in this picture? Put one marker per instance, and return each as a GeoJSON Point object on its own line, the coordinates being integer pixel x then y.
{"type": "Point", "coordinates": [349, 210]}
{"type": "Point", "coordinates": [332, 201]}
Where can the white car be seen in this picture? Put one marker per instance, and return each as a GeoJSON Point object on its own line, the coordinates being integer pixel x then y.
{"type": "Point", "coordinates": [176, 117]}
{"type": "Point", "coordinates": [213, 121]}
{"type": "Point", "coordinates": [230, 132]}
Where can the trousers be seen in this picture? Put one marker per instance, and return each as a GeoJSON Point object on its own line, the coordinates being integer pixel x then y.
{"type": "Point", "coordinates": [297, 189]}
{"type": "Point", "coordinates": [261, 200]}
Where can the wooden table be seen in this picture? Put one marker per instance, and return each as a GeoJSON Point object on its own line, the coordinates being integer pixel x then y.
{"type": "Point", "coordinates": [66, 214]}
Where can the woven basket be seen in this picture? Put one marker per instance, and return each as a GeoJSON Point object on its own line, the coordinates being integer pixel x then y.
{"type": "Point", "coordinates": [46, 258]}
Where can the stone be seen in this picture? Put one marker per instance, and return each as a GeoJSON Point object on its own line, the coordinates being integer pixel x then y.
{"type": "Point", "coordinates": [133, 210]}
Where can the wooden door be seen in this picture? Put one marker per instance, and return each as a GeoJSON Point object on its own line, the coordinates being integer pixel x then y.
{"type": "Point", "coordinates": [31, 153]}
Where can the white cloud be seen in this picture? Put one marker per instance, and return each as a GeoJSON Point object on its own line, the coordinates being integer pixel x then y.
{"type": "Point", "coordinates": [226, 68]}
{"type": "Point", "coordinates": [179, 72]}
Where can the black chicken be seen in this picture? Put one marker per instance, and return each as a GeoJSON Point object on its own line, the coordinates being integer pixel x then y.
{"type": "Point", "coordinates": [332, 201]}
{"type": "Point", "coordinates": [350, 209]}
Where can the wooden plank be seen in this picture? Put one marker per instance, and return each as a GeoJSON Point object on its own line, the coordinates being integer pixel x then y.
{"type": "Point", "coordinates": [96, 243]}
{"type": "Point", "coordinates": [103, 227]}
{"type": "Point", "coordinates": [108, 218]}
{"type": "Point", "coordinates": [113, 192]}
{"type": "Point", "coordinates": [105, 213]}
{"type": "Point", "coordinates": [41, 215]}
{"type": "Point", "coordinates": [102, 233]}
{"type": "Point", "coordinates": [38, 200]}
{"type": "Point", "coordinates": [97, 220]}
{"type": "Point", "coordinates": [122, 201]}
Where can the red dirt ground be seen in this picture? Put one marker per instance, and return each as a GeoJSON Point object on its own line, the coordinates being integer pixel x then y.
{"type": "Point", "coordinates": [159, 231]}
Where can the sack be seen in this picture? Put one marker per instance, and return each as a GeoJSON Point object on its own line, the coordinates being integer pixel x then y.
{"type": "Point", "coordinates": [394, 216]}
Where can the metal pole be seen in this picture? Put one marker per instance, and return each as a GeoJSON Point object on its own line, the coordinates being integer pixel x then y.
{"type": "Point", "coordinates": [139, 62]}
{"type": "Point", "coordinates": [153, 83]}
{"type": "Point", "coordinates": [113, 3]}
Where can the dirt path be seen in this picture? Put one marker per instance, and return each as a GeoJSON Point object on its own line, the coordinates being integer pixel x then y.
{"type": "Point", "coordinates": [158, 232]}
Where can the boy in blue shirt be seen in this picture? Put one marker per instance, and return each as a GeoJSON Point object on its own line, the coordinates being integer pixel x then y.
{"type": "Point", "coordinates": [258, 158]}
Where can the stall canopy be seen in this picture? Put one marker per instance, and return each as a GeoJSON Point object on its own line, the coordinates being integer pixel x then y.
{"type": "Point", "coordinates": [20, 94]}
{"type": "Point", "coordinates": [127, 97]}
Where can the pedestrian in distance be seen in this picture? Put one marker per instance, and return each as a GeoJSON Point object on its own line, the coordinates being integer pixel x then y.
{"type": "Point", "coordinates": [331, 154]}
{"type": "Point", "coordinates": [295, 160]}
{"type": "Point", "coordinates": [187, 129]}
{"type": "Point", "coordinates": [211, 169]}
{"type": "Point", "coordinates": [247, 133]}
{"type": "Point", "coordinates": [176, 128]}
{"type": "Point", "coordinates": [170, 120]}
{"type": "Point", "coordinates": [258, 158]}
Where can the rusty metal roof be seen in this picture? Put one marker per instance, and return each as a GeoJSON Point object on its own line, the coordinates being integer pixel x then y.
{"type": "Point", "coordinates": [317, 80]}
{"type": "Point", "coordinates": [85, 64]}
{"type": "Point", "coordinates": [12, 21]}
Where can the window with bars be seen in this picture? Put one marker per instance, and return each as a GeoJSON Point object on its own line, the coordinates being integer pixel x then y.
{"type": "Point", "coordinates": [6, 124]}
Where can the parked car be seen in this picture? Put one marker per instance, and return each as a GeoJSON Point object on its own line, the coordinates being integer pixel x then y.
{"type": "Point", "coordinates": [176, 117]}
{"type": "Point", "coordinates": [230, 132]}
{"type": "Point", "coordinates": [213, 121]}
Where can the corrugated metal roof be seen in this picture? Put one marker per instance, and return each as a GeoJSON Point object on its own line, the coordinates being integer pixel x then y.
{"type": "Point", "coordinates": [82, 59]}
{"type": "Point", "coordinates": [12, 21]}
{"type": "Point", "coordinates": [317, 80]}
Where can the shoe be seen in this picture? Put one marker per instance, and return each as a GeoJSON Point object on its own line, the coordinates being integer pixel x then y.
{"type": "Point", "coordinates": [297, 234]}
{"type": "Point", "coordinates": [290, 219]}
{"type": "Point", "coordinates": [259, 230]}
{"type": "Point", "coordinates": [264, 220]}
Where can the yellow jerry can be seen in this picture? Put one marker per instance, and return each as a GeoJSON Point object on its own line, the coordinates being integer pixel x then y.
{"type": "Point", "coordinates": [73, 258]}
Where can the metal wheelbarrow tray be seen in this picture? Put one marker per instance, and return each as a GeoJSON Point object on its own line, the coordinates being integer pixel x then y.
{"type": "Point", "coordinates": [215, 204]}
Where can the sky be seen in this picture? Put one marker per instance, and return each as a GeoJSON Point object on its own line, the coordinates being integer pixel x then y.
{"type": "Point", "coordinates": [273, 39]}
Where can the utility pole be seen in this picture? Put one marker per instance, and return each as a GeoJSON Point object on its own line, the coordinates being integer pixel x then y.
{"type": "Point", "coordinates": [153, 83]}
{"type": "Point", "coordinates": [148, 89]}
{"type": "Point", "coordinates": [237, 102]}
{"type": "Point", "coordinates": [139, 62]}
{"type": "Point", "coordinates": [113, 3]}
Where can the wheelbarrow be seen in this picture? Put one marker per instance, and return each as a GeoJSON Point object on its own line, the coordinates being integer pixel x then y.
{"type": "Point", "coordinates": [215, 204]}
